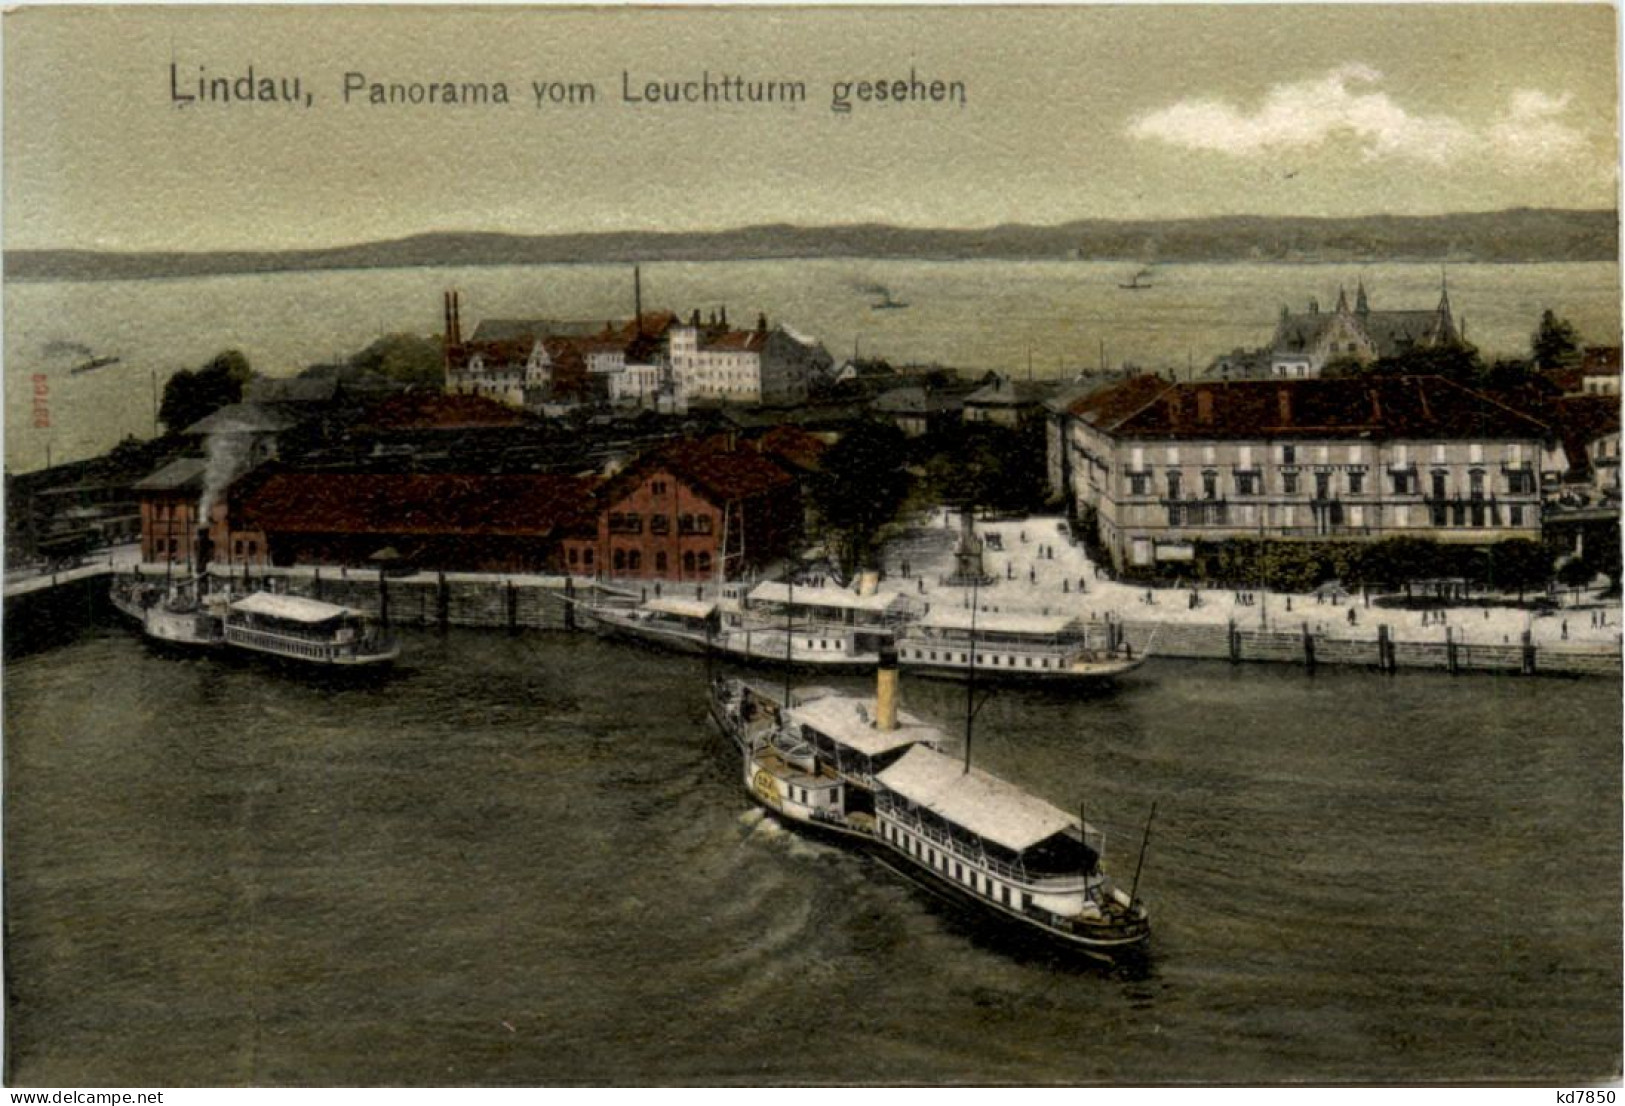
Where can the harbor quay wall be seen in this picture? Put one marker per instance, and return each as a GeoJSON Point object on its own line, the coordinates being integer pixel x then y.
{"type": "Point", "coordinates": [440, 599]}
{"type": "Point", "coordinates": [1232, 642]}
{"type": "Point", "coordinates": [43, 612]}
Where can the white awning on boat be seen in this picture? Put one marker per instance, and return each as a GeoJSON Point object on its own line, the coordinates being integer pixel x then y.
{"type": "Point", "coordinates": [683, 608]}
{"type": "Point", "coordinates": [837, 598]}
{"type": "Point", "coordinates": [850, 721]}
{"type": "Point", "coordinates": [291, 608]}
{"type": "Point", "coordinates": [997, 622]}
{"type": "Point", "coordinates": [976, 801]}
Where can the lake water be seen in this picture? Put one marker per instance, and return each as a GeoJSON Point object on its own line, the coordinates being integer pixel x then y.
{"type": "Point", "coordinates": [1054, 315]}
{"type": "Point", "coordinates": [506, 866]}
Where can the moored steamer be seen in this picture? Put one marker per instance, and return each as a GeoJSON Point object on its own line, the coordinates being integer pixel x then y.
{"type": "Point", "coordinates": [1011, 648]}
{"type": "Point", "coordinates": [306, 631]}
{"type": "Point", "coordinates": [815, 627]}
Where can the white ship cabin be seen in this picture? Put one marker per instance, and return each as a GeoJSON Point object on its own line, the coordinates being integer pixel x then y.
{"type": "Point", "coordinates": [1004, 642]}
{"type": "Point", "coordinates": [990, 838]}
{"type": "Point", "coordinates": [697, 615]}
{"type": "Point", "coordinates": [293, 626]}
{"type": "Point", "coordinates": [829, 619]}
{"type": "Point", "coordinates": [826, 755]}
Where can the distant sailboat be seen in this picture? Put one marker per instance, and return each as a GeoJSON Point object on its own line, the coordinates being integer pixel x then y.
{"type": "Point", "coordinates": [1138, 283]}
{"type": "Point", "coordinates": [887, 303]}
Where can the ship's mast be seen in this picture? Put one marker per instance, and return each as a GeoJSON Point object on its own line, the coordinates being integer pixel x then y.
{"type": "Point", "coordinates": [789, 640]}
{"type": "Point", "coordinates": [970, 681]}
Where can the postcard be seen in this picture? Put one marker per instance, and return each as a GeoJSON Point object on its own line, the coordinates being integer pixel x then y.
{"type": "Point", "coordinates": [812, 546]}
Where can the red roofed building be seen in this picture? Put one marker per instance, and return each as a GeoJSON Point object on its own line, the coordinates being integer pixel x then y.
{"type": "Point", "coordinates": [434, 411]}
{"type": "Point", "coordinates": [691, 511]}
{"type": "Point", "coordinates": [1167, 467]}
{"type": "Point", "coordinates": [472, 523]}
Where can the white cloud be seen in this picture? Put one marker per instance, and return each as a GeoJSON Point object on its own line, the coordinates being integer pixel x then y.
{"type": "Point", "coordinates": [1345, 103]}
{"type": "Point", "coordinates": [1529, 132]}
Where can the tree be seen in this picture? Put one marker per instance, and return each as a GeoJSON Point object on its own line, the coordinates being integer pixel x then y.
{"type": "Point", "coordinates": [859, 490]}
{"type": "Point", "coordinates": [1519, 564]}
{"type": "Point", "coordinates": [1555, 343]}
{"type": "Point", "coordinates": [409, 358]}
{"type": "Point", "coordinates": [1459, 363]}
{"type": "Point", "coordinates": [985, 465]}
{"type": "Point", "coordinates": [192, 395]}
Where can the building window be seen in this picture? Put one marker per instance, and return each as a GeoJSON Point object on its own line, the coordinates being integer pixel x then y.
{"type": "Point", "coordinates": [1174, 481]}
{"type": "Point", "coordinates": [1289, 483]}
{"type": "Point", "coordinates": [1356, 483]}
{"type": "Point", "coordinates": [586, 555]}
{"type": "Point", "coordinates": [660, 560]}
{"type": "Point", "coordinates": [688, 560]}
{"type": "Point", "coordinates": [1515, 514]}
{"type": "Point", "coordinates": [1246, 483]}
{"type": "Point", "coordinates": [1323, 485]}
{"type": "Point", "coordinates": [1438, 485]}
{"type": "Point", "coordinates": [237, 547]}
{"type": "Point", "coordinates": [658, 487]}
{"type": "Point", "coordinates": [1210, 485]}
{"type": "Point", "coordinates": [620, 560]}
{"type": "Point", "coordinates": [1475, 483]}
{"type": "Point", "coordinates": [1289, 455]}
{"type": "Point", "coordinates": [575, 555]}
{"type": "Point", "coordinates": [659, 524]}
{"type": "Point", "coordinates": [705, 562]}
{"type": "Point", "coordinates": [1137, 483]}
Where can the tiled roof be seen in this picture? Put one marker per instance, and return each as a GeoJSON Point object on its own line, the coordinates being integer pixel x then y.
{"type": "Point", "coordinates": [419, 504]}
{"type": "Point", "coordinates": [914, 400]}
{"type": "Point", "coordinates": [185, 474]}
{"type": "Point", "coordinates": [433, 411]}
{"type": "Point", "coordinates": [1580, 421]}
{"type": "Point", "coordinates": [714, 467]}
{"type": "Point", "coordinates": [1010, 393]}
{"type": "Point", "coordinates": [724, 471]}
{"type": "Point", "coordinates": [1600, 361]}
{"type": "Point", "coordinates": [744, 341]}
{"type": "Point", "coordinates": [1428, 407]}
{"type": "Point", "coordinates": [243, 418]}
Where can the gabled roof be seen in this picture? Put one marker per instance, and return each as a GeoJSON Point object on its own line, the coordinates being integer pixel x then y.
{"type": "Point", "coordinates": [915, 400]}
{"type": "Point", "coordinates": [1107, 407]}
{"type": "Point", "coordinates": [509, 330]}
{"type": "Point", "coordinates": [1425, 407]}
{"type": "Point", "coordinates": [421, 503]}
{"type": "Point", "coordinates": [1010, 393]}
{"type": "Point", "coordinates": [182, 475]}
{"type": "Point", "coordinates": [1580, 421]}
{"type": "Point", "coordinates": [295, 389]}
{"type": "Point", "coordinates": [434, 411]}
{"type": "Point", "coordinates": [740, 341]}
{"type": "Point", "coordinates": [721, 470]}
{"type": "Point", "coordinates": [976, 801]}
{"type": "Point", "coordinates": [1600, 361]}
{"type": "Point", "coordinates": [243, 418]}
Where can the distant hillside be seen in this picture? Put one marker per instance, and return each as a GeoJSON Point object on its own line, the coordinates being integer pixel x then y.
{"type": "Point", "coordinates": [1504, 236]}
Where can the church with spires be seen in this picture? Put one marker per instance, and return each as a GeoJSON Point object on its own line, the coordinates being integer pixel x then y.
{"type": "Point", "coordinates": [1306, 343]}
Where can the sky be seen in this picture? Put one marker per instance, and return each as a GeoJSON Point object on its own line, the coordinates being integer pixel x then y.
{"type": "Point", "coordinates": [1068, 113]}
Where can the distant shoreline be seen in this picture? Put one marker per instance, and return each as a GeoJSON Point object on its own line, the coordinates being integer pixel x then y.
{"type": "Point", "coordinates": [1521, 236]}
